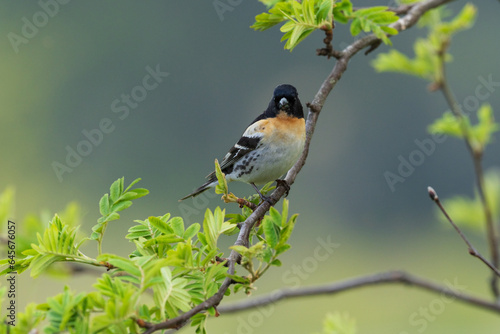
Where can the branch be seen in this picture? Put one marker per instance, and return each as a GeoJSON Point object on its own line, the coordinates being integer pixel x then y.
{"type": "Point", "coordinates": [476, 155]}
{"type": "Point", "coordinates": [472, 251]}
{"type": "Point", "coordinates": [390, 277]}
{"type": "Point", "coordinates": [315, 108]}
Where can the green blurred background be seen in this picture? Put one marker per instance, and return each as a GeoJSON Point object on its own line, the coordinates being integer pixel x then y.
{"type": "Point", "coordinates": [221, 74]}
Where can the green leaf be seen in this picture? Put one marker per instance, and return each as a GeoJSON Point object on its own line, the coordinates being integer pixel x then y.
{"type": "Point", "coordinates": [116, 189]}
{"type": "Point", "coordinates": [160, 225]}
{"type": "Point", "coordinates": [281, 248]}
{"type": "Point", "coordinates": [240, 249]}
{"type": "Point", "coordinates": [287, 230]}
{"type": "Point", "coordinates": [134, 194]}
{"type": "Point", "coordinates": [166, 239]}
{"type": "Point", "coordinates": [121, 206]}
{"type": "Point", "coordinates": [427, 63]}
{"type": "Point", "coordinates": [120, 262]}
{"type": "Point", "coordinates": [469, 212]}
{"type": "Point", "coordinates": [376, 20]}
{"type": "Point", "coordinates": [464, 20]}
{"type": "Point", "coordinates": [484, 130]}
{"type": "Point", "coordinates": [342, 11]}
{"type": "Point", "coordinates": [104, 205]}
{"type": "Point", "coordinates": [221, 188]}
{"type": "Point", "coordinates": [40, 264]}
{"type": "Point", "coordinates": [132, 184]}
{"type": "Point", "coordinates": [191, 231]}
{"type": "Point", "coordinates": [239, 279]}
{"type": "Point", "coordinates": [302, 19]}
{"type": "Point", "coordinates": [177, 224]}
{"type": "Point", "coordinates": [270, 231]}
{"type": "Point", "coordinates": [337, 323]}
{"type": "Point", "coordinates": [276, 263]}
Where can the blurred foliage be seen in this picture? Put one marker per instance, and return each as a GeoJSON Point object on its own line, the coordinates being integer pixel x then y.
{"type": "Point", "coordinates": [338, 323]}
{"type": "Point", "coordinates": [426, 63]}
{"type": "Point", "coordinates": [430, 55]}
{"type": "Point", "coordinates": [302, 18]}
{"type": "Point", "coordinates": [480, 134]}
{"type": "Point", "coordinates": [469, 212]}
{"type": "Point", "coordinates": [29, 231]}
{"type": "Point", "coordinates": [181, 267]}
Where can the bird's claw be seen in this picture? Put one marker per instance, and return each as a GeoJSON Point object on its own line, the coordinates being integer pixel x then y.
{"type": "Point", "coordinates": [285, 184]}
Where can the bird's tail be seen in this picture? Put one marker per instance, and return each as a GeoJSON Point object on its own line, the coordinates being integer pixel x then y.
{"type": "Point", "coordinates": [207, 185]}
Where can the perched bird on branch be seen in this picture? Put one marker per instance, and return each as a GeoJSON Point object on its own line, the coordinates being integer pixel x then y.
{"type": "Point", "coordinates": [269, 147]}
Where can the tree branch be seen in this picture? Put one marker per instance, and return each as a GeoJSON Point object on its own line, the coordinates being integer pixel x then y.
{"type": "Point", "coordinates": [476, 154]}
{"type": "Point", "coordinates": [314, 108]}
{"type": "Point", "coordinates": [390, 277]}
{"type": "Point", "coordinates": [472, 250]}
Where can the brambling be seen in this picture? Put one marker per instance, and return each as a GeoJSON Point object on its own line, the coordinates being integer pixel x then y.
{"type": "Point", "coordinates": [269, 147]}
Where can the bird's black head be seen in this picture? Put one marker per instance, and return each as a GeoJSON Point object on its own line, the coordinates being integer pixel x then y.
{"type": "Point", "coordinates": [285, 98]}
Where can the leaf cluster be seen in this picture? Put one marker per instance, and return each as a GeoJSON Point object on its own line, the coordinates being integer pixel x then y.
{"type": "Point", "coordinates": [172, 269]}
{"type": "Point", "coordinates": [479, 134]}
{"type": "Point", "coordinates": [428, 51]}
{"type": "Point", "coordinates": [301, 18]}
{"type": "Point", "coordinates": [468, 211]}
{"type": "Point", "coordinates": [271, 240]}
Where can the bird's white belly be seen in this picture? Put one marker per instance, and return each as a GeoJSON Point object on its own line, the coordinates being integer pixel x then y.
{"type": "Point", "coordinates": [266, 163]}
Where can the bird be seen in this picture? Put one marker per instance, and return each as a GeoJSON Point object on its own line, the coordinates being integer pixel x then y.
{"type": "Point", "coordinates": [268, 148]}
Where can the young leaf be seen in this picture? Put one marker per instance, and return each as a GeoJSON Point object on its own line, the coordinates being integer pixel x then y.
{"type": "Point", "coordinates": [177, 224]}
{"type": "Point", "coordinates": [270, 231]}
{"type": "Point", "coordinates": [191, 231]}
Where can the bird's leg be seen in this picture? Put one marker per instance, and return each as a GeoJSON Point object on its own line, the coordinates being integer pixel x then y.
{"type": "Point", "coordinates": [262, 197]}
{"type": "Point", "coordinates": [285, 184]}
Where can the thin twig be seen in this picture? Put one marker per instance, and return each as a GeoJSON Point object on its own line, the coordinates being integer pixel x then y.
{"type": "Point", "coordinates": [476, 155]}
{"type": "Point", "coordinates": [314, 108]}
{"type": "Point", "coordinates": [390, 277]}
{"type": "Point", "coordinates": [472, 251]}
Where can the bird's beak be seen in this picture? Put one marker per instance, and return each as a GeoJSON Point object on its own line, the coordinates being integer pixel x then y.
{"type": "Point", "coordinates": [284, 104]}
